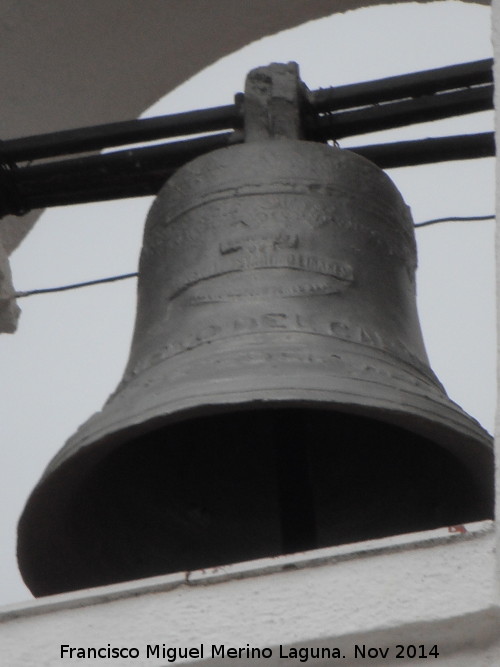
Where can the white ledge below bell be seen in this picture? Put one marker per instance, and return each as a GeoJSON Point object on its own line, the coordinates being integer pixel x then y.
{"type": "Point", "coordinates": [430, 589]}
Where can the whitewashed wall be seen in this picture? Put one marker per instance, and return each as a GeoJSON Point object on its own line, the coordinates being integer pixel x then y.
{"type": "Point", "coordinates": [432, 589]}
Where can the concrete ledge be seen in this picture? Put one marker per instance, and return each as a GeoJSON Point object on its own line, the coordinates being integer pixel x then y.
{"type": "Point", "coordinates": [432, 588]}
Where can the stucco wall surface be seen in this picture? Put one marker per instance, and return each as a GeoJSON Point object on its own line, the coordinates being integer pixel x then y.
{"type": "Point", "coordinates": [432, 588]}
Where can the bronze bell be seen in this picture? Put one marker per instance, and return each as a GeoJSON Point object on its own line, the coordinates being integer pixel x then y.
{"type": "Point", "coordinates": [278, 395]}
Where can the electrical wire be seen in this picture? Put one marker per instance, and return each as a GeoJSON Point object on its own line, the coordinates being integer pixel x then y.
{"type": "Point", "coordinates": [65, 288]}
{"type": "Point", "coordinates": [126, 276]}
{"type": "Point", "coordinates": [473, 218]}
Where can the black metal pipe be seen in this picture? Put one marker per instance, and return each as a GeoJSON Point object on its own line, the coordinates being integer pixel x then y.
{"type": "Point", "coordinates": [428, 151]}
{"type": "Point", "coordinates": [96, 138]}
{"type": "Point", "coordinates": [133, 160]}
{"type": "Point", "coordinates": [129, 173]}
{"type": "Point", "coordinates": [337, 126]}
{"type": "Point", "coordinates": [140, 172]}
{"type": "Point", "coordinates": [87, 139]}
{"type": "Point", "coordinates": [434, 95]}
{"type": "Point", "coordinates": [401, 113]}
{"type": "Point", "coordinates": [406, 85]}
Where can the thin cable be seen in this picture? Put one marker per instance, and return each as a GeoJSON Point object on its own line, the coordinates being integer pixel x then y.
{"type": "Point", "coordinates": [126, 276]}
{"type": "Point", "coordinates": [454, 218]}
{"type": "Point", "coordinates": [64, 288]}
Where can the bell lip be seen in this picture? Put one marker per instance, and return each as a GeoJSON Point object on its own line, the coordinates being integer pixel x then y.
{"type": "Point", "coordinates": [474, 449]}
{"type": "Point", "coordinates": [442, 422]}
{"type": "Point", "coordinates": [395, 391]}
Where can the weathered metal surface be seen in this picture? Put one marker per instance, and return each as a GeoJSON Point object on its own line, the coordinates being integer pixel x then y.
{"type": "Point", "coordinates": [274, 103]}
{"type": "Point", "coordinates": [278, 394]}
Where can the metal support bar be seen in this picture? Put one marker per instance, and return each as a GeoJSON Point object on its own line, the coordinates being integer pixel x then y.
{"type": "Point", "coordinates": [428, 151]}
{"type": "Point", "coordinates": [401, 113]}
{"type": "Point", "coordinates": [276, 104]}
{"type": "Point", "coordinates": [129, 173]}
{"type": "Point", "coordinates": [403, 86]}
{"type": "Point", "coordinates": [231, 116]}
{"type": "Point", "coordinates": [143, 171]}
{"type": "Point", "coordinates": [86, 139]}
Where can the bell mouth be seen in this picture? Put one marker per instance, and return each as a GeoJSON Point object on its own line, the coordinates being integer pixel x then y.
{"type": "Point", "coordinates": [235, 486]}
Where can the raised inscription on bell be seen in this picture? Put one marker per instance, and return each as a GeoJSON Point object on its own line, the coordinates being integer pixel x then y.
{"type": "Point", "coordinates": [263, 258]}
